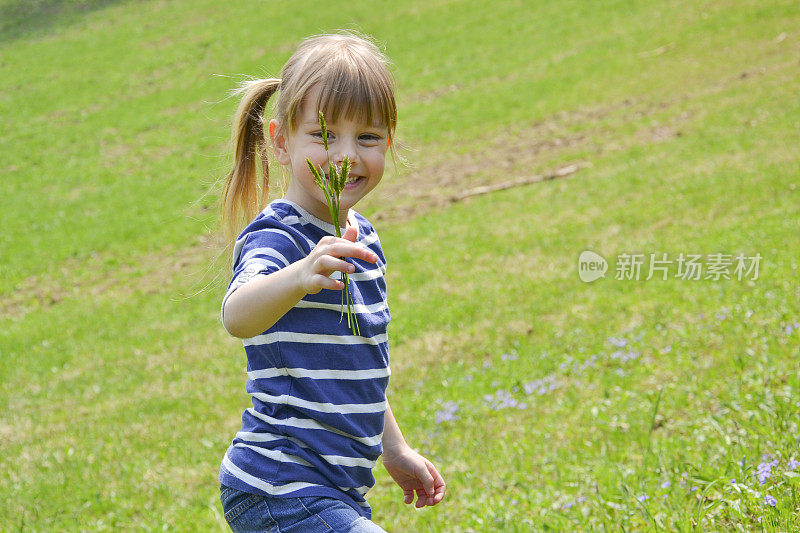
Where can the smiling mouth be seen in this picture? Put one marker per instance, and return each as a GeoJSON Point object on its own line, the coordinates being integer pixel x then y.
{"type": "Point", "coordinates": [353, 181]}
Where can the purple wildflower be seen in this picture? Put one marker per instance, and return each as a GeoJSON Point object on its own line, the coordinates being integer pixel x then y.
{"type": "Point", "coordinates": [541, 386]}
{"type": "Point", "coordinates": [501, 400]}
{"type": "Point", "coordinates": [447, 413]}
{"type": "Point", "coordinates": [624, 357]}
{"type": "Point", "coordinates": [589, 363]}
{"type": "Point", "coordinates": [769, 500]}
{"type": "Point", "coordinates": [642, 498]}
{"type": "Point", "coordinates": [619, 343]}
{"type": "Point", "coordinates": [764, 471]}
{"type": "Point", "coordinates": [666, 485]}
{"type": "Point", "coordinates": [509, 357]}
{"type": "Point", "coordinates": [792, 464]}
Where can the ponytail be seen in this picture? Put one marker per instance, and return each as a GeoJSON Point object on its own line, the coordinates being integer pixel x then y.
{"type": "Point", "coordinates": [240, 201]}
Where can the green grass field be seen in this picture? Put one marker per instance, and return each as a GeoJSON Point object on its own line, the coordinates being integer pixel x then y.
{"type": "Point", "coordinates": [546, 402]}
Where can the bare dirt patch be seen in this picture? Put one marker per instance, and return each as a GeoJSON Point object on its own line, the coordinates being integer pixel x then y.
{"type": "Point", "coordinates": [439, 174]}
{"type": "Point", "coordinates": [96, 276]}
{"type": "Point", "coordinates": [555, 147]}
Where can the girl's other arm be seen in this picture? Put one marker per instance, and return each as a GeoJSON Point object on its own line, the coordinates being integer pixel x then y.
{"type": "Point", "coordinates": [257, 305]}
{"type": "Point", "coordinates": [409, 469]}
{"type": "Point", "coordinates": [393, 440]}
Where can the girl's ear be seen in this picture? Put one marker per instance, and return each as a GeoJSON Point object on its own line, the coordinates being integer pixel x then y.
{"type": "Point", "coordinates": [279, 142]}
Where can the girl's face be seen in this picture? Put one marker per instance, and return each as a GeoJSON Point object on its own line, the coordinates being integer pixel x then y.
{"type": "Point", "coordinates": [365, 144]}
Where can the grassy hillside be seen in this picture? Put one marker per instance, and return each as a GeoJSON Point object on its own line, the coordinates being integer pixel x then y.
{"type": "Point", "coordinates": [546, 402]}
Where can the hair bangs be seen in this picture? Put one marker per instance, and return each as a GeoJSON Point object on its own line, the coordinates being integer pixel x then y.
{"type": "Point", "coordinates": [356, 93]}
{"type": "Point", "coordinates": [348, 76]}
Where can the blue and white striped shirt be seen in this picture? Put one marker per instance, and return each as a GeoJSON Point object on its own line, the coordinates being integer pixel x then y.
{"type": "Point", "coordinates": [318, 391]}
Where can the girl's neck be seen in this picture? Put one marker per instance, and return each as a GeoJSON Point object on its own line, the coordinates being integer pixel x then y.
{"type": "Point", "coordinates": [313, 205]}
{"type": "Point", "coordinates": [345, 219]}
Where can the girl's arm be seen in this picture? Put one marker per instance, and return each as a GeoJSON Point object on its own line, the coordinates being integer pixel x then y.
{"type": "Point", "coordinates": [393, 440]}
{"type": "Point", "coordinates": [409, 469]}
{"type": "Point", "coordinates": [257, 305]}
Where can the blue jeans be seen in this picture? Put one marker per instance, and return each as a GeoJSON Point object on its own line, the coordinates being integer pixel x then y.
{"type": "Point", "coordinates": [247, 513]}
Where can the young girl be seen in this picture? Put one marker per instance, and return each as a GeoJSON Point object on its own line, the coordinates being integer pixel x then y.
{"type": "Point", "coordinates": [320, 418]}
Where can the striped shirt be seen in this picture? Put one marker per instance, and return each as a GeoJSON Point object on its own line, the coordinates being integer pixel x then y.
{"type": "Point", "coordinates": [318, 391]}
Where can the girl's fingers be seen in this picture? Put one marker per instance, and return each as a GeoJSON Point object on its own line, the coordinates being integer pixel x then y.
{"type": "Point", "coordinates": [330, 264]}
{"type": "Point", "coordinates": [350, 234]}
{"type": "Point", "coordinates": [324, 282]}
{"type": "Point", "coordinates": [438, 481]}
{"type": "Point", "coordinates": [328, 257]}
{"type": "Point", "coordinates": [342, 248]}
{"type": "Point", "coordinates": [422, 498]}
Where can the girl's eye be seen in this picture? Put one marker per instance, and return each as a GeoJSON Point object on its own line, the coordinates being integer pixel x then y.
{"type": "Point", "coordinates": [318, 135]}
{"type": "Point", "coordinates": [370, 138]}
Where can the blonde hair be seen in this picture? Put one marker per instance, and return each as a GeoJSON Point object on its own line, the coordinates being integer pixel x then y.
{"type": "Point", "coordinates": [354, 80]}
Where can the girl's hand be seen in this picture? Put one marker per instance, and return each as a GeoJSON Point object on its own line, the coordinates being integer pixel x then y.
{"type": "Point", "coordinates": [414, 473]}
{"type": "Point", "coordinates": [324, 260]}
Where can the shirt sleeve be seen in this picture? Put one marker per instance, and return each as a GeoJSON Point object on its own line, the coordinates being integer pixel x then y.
{"type": "Point", "coordinates": [260, 252]}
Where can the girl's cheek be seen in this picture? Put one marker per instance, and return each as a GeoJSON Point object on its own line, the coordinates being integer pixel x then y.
{"type": "Point", "coordinates": [316, 153]}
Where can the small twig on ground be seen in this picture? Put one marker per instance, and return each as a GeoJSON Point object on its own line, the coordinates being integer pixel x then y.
{"type": "Point", "coordinates": [559, 173]}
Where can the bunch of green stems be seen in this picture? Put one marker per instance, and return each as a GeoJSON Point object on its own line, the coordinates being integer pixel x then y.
{"type": "Point", "coordinates": [332, 187]}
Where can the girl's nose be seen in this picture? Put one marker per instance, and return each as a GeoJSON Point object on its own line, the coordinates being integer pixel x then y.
{"type": "Point", "coordinates": [345, 149]}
